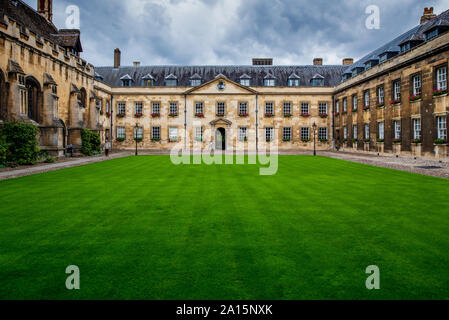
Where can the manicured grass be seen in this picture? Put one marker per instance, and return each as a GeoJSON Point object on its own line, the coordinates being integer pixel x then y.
{"type": "Point", "coordinates": [142, 228]}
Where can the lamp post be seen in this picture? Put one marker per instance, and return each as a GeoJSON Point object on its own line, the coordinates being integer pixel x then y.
{"type": "Point", "coordinates": [135, 137]}
{"type": "Point", "coordinates": [314, 139]}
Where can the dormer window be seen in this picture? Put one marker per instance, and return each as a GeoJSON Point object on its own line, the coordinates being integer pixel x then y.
{"type": "Point", "coordinates": [98, 77]}
{"type": "Point", "coordinates": [245, 80]}
{"type": "Point", "coordinates": [126, 81]}
{"type": "Point", "coordinates": [269, 81]}
{"type": "Point", "coordinates": [148, 81]}
{"type": "Point", "coordinates": [195, 80]}
{"type": "Point", "coordinates": [436, 28]}
{"type": "Point", "coordinates": [293, 80]}
{"type": "Point", "coordinates": [406, 47]}
{"type": "Point", "coordinates": [433, 33]}
{"type": "Point", "coordinates": [171, 80]}
{"type": "Point", "coordinates": [411, 42]}
{"type": "Point", "coordinates": [357, 70]}
{"type": "Point", "coordinates": [317, 81]}
{"type": "Point", "coordinates": [371, 63]}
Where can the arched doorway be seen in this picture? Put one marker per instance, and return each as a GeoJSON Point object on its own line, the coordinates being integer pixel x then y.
{"type": "Point", "coordinates": [34, 99]}
{"type": "Point", "coordinates": [220, 139]}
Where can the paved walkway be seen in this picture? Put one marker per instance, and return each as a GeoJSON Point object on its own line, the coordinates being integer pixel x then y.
{"type": "Point", "coordinates": [421, 166]}
{"type": "Point", "coordinates": [62, 164]}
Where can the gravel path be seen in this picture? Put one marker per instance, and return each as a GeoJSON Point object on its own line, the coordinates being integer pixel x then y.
{"type": "Point", "coordinates": [421, 166]}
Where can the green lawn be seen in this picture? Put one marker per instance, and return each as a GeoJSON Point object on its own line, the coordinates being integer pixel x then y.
{"type": "Point", "coordinates": [142, 228]}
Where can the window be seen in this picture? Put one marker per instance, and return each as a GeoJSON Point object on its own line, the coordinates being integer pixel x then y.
{"type": "Point", "coordinates": [121, 133]}
{"type": "Point", "coordinates": [397, 90]}
{"type": "Point", "coordinates": [416, 80]}
{"type": "Point", "coordinates": [442, 128]}
{"type": "Point", "coordinates": [322, 108]}
{"type": "Point", "coordinates": [269, 108]}
{"type": "Point", "coordinates": [355, 133]}
{"type": "Point", "coordinates": [442, 78]}
{"type": "Point", "coordinates": [126, 83]}
{"type": "Point", "coordinates": [121, 108]}
{"type": "Point", "coordinates": [138, 108]}
{"type": "Point", "coordinates": [305, 110]}
{"type": "Point", "coordinates": [269, 133]}
{"type": "Point", "coordinates": [367, 134]}
{"type": "Point", "coordinates": [417, 129]}
{"type": "Point", "coordinates": [305, 134]}
{"type": "Point", "coordinates": [173, 108]}
{"type": "Point", "coordinates": [221, 109]}
{"type": "Point", "coordinates": [243, 108]}
{"type": "Point", "coordinates": [245, 82]}
{"type": "Point", "coordinates": [432, 34]}
{"type": "Point", "coordinates": [287, 109]}
{"type": "Point", "coordinates": [147, 83]}
{"type": "Point", "coordinates": [381, 129]}
{"type": "Point", "coordinates": [293, 82]}
{"type": "Point", "coordinates": [405, 47]}
{"type": "Point", "coordinates": [287, 134]}
{"type": "Point", "coordinates": [337, 107]}
{"type": "Point", "coordinates": [156, 133]}
{"type": "Point", "coordinates": [367, 98]}
{"type": "Point", "coordinates": [380, 95]}
{"type": "Point", "coordinates": [269, 82]}
{"type": "Point", "coordinates": [322, 134]}
{"type": "Point", "coordinates": [199, 107]}
{"type": "Point", "coordinates": [156, 108]}
{"type": "Point", "coordinates": [195, 82]}
{"type": "Point", "coordinates": [199, 133]}
{"type": "Point", "coordinates": [23, 101]}
{"type": "Point", "coordinates": [397, 129]}
{"type": "Point", "coordinates": [173, 134]}
{"type": "Point", "coordinates": [345, 105]}
{"type": "Point", "coordinates": [171, 82]}
{"type": "Point", "coordinates": [138, 133]}
{"type": "Point", "coordinates": [354, 102]}
{"type": "Point", "coordinates": [345, 132]}
{"type": "Point", "coordinates": [243, 134]}
{"type": "Point", "coordinates": [318, 82]}
{"type": "Point", "coordinates": [107, 107]}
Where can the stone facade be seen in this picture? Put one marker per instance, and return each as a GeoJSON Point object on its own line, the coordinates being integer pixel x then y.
{"type": "Point", "coordinates": [43, 81]}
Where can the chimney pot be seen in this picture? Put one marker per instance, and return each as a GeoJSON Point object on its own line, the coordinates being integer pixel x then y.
{"type": "Point", "coordinates": [427, 15]}
{"type": "Point", "coordinates": [348, 61]}
{"type": "Point", "coordinates": [117, 57]}
{"type": "Point", "coordinates": [318, 61]}
{"type": "Point", "coordinates": [262, 61]}
{"type": "Point", "coordinates": [136, 63]}
{"type": "Point", "coordinates": [45, 8]}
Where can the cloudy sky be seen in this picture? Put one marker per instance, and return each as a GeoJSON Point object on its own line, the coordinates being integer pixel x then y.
{"type": "Point", "coordinates": [234, 31]}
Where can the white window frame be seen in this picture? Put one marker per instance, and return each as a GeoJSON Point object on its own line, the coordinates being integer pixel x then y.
{"type": "Point", "coordinates": [367, 98]}
{"type": "Point", "coordinates": [121, 132]}
{"type": "Point", "coordinates": [287, 133]}
{"type": "Point", "coordinates": [269, 108]}
{"type": "Point", "coordinates": [417, 84]}
{"type": "Point", "coordinates": [345, 105]}
{"type": "Point", "coordinates": [381, 128]}
{"type": "Point", "coordinates": [397, 90]}
{"type": "Point", "coordinates": [243, 134]}
{"type": "Point", "coordinates": [121, 108]}
{"type": "Point", "coordinates": [173, 108]}
{"type": "Point", "coordinates": [442, 128]}
{"type": "Point", "coordinates": [199, 133]}
{"type": "Point", "coordinates": [354, 102]}
{"type": "Point", "coordinates": [269, 133]}
{"type": "Point", "coordinates": [397, 129]}
{"type": "Point", "coordinates": [442, 78]}
{"type": "Point", "coordinates": [417, 128]}
{"type": "Point", "coordinates": [305, 108]}
{"type": "Point", "coordinates": [138, 133]}
{"type": "Point", "coordinates": [245, 82]}
{"type": "Point", "coordinates": [345, 132]}
{"type": "Point", "coordinates": [156, 108]}
{"type": "Point", "coordinates": [305, 133]}
{"type": "Point", "coordinates": [287, 108]}
{"type": "Point", "coordinates": [199, 107]}
{"type": "Point", "coordinates": [156, 132]}
{"type": "Point", "coordinates": [367, 132]}
{"type": "Point", "coordinates": [221, 108]}
{"type": "Point", "coordinates": [380, 94]}
{"type": "Point", "coordinates": [243, 108]}
{"type": "Point", "coordinates": [355, 132]}
{"type": "Point", "coordinates": [138, 108]}
{"type": "Point", "coordinates": [322, 133]}
{"type": "Point", "coordinates": [173, 133]}
{"type": "Point", "coordinates": [322, 107]}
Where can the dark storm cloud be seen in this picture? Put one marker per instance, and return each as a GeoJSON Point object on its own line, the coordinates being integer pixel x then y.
{"type": "Point", "coordinates": [234, 31]}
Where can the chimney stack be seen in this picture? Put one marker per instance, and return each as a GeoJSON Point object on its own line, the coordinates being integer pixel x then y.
{"type": "Point", "coordinates": [427, 15]}
{"type": "Point", "coordinates": [348, 61]}
{"type": "Point", "coordinates": [45, 8]}
{"type": "Point", "coordinates": [117, 56]}
{"type": "Point", "coordinates": [136, 63]}
{"type": "Point", "coordinates": [318, 61]}
{"type": "Point", "coordinates": [262, 61]}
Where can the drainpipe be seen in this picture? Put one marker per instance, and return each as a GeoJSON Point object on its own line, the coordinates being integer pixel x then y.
{"type": "Point", "coordinates": [257, 123]}
{"type": "Point", "coordinates": [111, 109]}
{"type": "Point", "coordinates": [333, 123]}
{"type": "Point", "coordinates": [185, 122]}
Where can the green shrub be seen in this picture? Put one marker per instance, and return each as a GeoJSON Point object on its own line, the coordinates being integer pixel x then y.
{"type": "Point", "coordinates": [3, 150]}
{"type": "Point", "coordinates": [91, 142]}
{"type": "Point", "coordinates": [21, 143]}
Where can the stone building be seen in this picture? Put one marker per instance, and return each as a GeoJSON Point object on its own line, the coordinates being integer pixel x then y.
{"type": "Point", "coordinates": [44, 81]}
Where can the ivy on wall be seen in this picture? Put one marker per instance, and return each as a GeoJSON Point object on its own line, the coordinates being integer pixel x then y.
{"type": "Point", "coordinates": [91, 142]}
{"type": "Point", "coordinates": [18, 144]}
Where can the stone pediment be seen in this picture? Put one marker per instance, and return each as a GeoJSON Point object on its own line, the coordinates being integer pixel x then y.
{"type": "Point", "coordinates": [220, 122]}
{"type": "Point", "coordinates": [221, 85]}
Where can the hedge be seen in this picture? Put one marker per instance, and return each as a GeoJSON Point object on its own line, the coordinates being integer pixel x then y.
{"type": "Point", "coordinates": [91, 142]}
{"type": "Point", "coordinates": [18, 144]}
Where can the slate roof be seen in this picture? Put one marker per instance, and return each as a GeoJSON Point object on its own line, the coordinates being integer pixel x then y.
{"type": "Point", "coordinates": [27, 17]}
{"type": "Point", "coordinates": [332, 74]}
{"type": "Point", "coordinates": [415, 34]}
